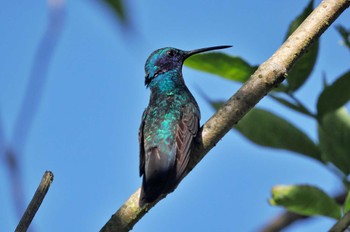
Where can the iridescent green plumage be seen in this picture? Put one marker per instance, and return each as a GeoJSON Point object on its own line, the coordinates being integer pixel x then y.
{"type": "Point", "coordinates": [169, 124]}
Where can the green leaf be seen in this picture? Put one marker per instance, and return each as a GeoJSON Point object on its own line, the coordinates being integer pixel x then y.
{"type": "Point", "coordinates": [347, 203]}
{"type": "Point", "coordinates": [267, 129]}
{"type": "Point", "coordinates": [119, 9]}
{"type": "Point", "coordinates": [304, 66]}
{"type": "Point", "coordinates": [334, 139]}
{"type": "Point", "coordinates": [292, 105]}
{"type": "Point", "coordinates": [305, 200]}
{"type": "Point", "coordinates": [335, 95]}
{"type": "Point", "coordinates": [345, 34]}
{"type": "Point", "coordinates": [229, 67]}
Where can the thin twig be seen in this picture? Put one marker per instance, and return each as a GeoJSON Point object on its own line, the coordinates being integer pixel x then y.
{"type": "Point", "coordinates": [35, 202]}
{"type": "Point", "coordinates": [342, 224]}
{"type": "Point", "coordinates": [283, 221]}
{"type": "Point", "coordinates": [269, 75]}
{"type": "Point", "coordinates": [38, 75]}
{"type": "Point", "coordinates": [302, 106]}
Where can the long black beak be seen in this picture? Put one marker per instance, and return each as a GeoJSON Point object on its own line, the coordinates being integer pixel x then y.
{"type": "Point", "coordinates": [200, 50]}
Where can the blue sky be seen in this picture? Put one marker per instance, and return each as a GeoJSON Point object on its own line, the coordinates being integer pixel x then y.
{"type": "Point", "coordinates": [85, 130]}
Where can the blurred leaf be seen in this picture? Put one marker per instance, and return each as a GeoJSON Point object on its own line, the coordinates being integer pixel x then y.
{"type": "Point", "coordinates": [119, 9]}
{"type": "Point", "coordinates": [304, 66]}
{"type": "Point", "coordinates": [347, 203]}
{"type": "Point", "coordinates": [291, 105]}
{"type": "Point", "coordinates": [267, 129]}
{"type": "Point", "coordinates": [334, 138]}
{"type": "Point", "coordinates": [335, 95]}
{"type": "Point", "coordinates": [229, 67]}
{"type": "Point", "coordinates": [345, 34]}
{"type": "Point", "coordinates": [305, 200]}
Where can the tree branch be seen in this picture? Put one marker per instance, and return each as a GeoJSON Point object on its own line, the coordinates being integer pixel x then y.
{"type": "Point", "coordinates": [342, 224]}
{"type": "Point", "coordinates": [269, 75]}
{"type": "Point", "coordinates": [282, 221]}
{"type": "Point", "coordinates": [35, 202]}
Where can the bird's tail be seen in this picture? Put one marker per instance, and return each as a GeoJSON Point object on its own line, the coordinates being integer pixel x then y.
{"type": "Point", "coordinates": [149, 194]}
{"type": "Point", "coordinates": [158, 177]}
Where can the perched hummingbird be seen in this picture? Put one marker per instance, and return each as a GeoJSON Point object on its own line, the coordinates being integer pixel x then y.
{"type": "Point", "coordinates": [169, 124]}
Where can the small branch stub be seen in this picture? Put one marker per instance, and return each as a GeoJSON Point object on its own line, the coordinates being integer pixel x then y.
{"type": "Point", "coordinates": [35, 202]}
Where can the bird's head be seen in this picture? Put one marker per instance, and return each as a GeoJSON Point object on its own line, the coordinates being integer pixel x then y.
{"type": "Point", "coordinates": [168, 59]}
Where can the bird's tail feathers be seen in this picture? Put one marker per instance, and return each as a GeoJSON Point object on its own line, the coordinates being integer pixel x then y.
{"type": "Point", "coordinates": [157, 177]}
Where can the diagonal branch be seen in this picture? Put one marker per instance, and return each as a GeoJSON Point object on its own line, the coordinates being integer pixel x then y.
{"type": "Point", "coordinates": [269, 75]}
{"type": "Point", "coordinates": [342, 225]}
{"type": "Point", "coordinates": [35, 203]}
{"type": "Point", "coordinates": [282, 221]}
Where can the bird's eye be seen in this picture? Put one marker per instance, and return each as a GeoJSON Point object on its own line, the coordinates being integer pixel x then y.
{"type": "Point", "coordinates": [171, 53]}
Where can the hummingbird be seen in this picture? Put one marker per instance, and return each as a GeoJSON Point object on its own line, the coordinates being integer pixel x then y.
{"type": "Point", "coordinates": [169, 125]}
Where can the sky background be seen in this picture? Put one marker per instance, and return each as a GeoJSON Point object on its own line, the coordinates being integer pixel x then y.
{"type": "Point", "coordinates": [86, 127]}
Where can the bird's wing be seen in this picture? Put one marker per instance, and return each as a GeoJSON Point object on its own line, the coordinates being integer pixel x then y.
{"type": "Point", "coordinates": [141, 142]}
{"type": "Point", "coordinates": [187, 130]}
